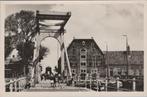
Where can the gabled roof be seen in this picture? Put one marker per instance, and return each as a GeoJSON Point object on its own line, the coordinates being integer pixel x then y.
{"type": "Point", "coordinates": [119, 57]}
{"type": "Point", "coordinates": [87, 41]}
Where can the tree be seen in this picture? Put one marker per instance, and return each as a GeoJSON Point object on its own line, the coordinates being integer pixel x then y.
{"type": "Point", "coordinates": [20, 29]}
{"type": "Point", "coordinates": [22, 23]}
{"type": "Point", "coordinates": [43, 52]}
{"type": "Point", "coordinates": [23, 27]}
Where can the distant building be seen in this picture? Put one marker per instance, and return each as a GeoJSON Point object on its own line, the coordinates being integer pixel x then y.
{"type": "Point", "coordinates": [13, 65]}
{"type": "Point", "coordinates": [117, 62]}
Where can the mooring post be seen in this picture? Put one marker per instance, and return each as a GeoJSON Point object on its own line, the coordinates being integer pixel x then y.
{"type": "Point", "coordinates": [97, 85]}
{"type": "Point", "coordinates": [79, 82]}
{"type": "Point", "coordinates": [106, 84]}
{"type": "Point", "coordinates": [90, 81]}
{"type": "Point", "coordinates": [134, 84]}
{"type": "Point", "coordinates": [117, 83]}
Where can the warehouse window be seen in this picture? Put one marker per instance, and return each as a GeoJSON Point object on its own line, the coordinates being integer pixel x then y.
{"type": "Point", "coordinates": [83, 63]}
{"type": "Point", "coordinates": [83, 56]}
{"type": "Point", "coordinates": [83, 70]}
{"type": "Point", "coordinates": [83, 51]}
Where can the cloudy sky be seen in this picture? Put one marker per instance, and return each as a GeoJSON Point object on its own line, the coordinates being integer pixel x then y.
{"type": "Point", "coordinates": [106, 23]}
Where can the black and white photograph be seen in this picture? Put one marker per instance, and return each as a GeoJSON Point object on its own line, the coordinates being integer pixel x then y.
{"type": "Point", "coordinates": [74, 47]}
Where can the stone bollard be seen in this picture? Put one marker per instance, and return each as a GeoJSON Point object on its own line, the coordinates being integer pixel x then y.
{"type": "Point", "coordinates": [106, 84]}
{"type": "Point", "coordinates": [117, 83]}
{"type": "Point", "coordinates": [134, 84]}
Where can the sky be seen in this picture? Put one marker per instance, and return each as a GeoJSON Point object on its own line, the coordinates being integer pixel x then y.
{"type": "Point", "coordinates": [106, 23]}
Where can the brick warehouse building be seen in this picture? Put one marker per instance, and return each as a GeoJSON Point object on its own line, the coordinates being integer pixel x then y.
{"type": "Point", "coordinates": [86, 58]}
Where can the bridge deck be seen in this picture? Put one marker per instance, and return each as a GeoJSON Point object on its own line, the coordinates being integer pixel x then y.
{"type": "Point", "coordinates": [46, 86]}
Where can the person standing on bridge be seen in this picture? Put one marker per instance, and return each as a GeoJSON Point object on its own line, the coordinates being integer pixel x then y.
{"type": "Point", "coordinates": [55, 80]}
{"type": "Point", "coordinates": [28, 82]}
{"type": "Point", "coordinates": [59, 80]}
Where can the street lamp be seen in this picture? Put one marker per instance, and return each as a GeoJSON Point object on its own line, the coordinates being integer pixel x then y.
{"type": "Point", "coordinates": [127, 49]}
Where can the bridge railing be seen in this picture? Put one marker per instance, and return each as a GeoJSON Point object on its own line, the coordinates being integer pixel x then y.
{"type": "Point", "coordinates": [16, 85]}
{"type": "Point", "coordinates": [115, 84]}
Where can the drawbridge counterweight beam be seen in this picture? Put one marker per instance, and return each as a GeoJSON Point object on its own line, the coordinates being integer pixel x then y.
{"type": "Point", "coordinates": [55, 16]}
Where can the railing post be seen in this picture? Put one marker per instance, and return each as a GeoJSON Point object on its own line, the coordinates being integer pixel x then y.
{"type": "Point", "coordinates": [117, 83]}
{"type": "Point", "coordinates": [79, 82]}
{"type": "Point", "coordinates": [86, 78]}
{"type": "Point", "coordinates": [21, 84]}
{"type": "Point", "coordinates": [90, 81]}
{"type": "Point", "coordinates": [85, 84]}
{"type": "Point", "coordinates": [73, 82]}
{"type": "Point", "coordinates": [134, 84]}
{"type": "Point", "coordinates": [106, 84]}
{"type": "Point", "coordinates": [19, 87]}
{"type": "Point", "coordinates": [24, 83]}
{"type": "Point", "coordinates": [15, 85]}
{"type": "Point", "coordinates": [11, 86]}
{"type": "Point", "coordinates": [97, 85]}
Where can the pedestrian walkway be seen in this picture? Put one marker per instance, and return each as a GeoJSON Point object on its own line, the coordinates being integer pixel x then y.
{"type": "Point", "coordinates": [46, 86]}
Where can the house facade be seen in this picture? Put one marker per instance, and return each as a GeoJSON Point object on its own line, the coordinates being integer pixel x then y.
{"type": "Point", "coordinates": [13, 65]}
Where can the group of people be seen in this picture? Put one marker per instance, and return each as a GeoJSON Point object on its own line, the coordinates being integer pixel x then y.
{"type": "Point", "coordinates": [55, 79]}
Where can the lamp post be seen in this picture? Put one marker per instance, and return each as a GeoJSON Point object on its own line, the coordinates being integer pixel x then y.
{"type": "Point", "coordinates": [127, 49]}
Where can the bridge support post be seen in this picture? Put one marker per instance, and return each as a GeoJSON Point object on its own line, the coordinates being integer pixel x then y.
{"type": "Point", "coordinates": [37, 73]}
{"type": "Point", "coordinates": [62, 54]}
{"type": "Point", "coordinates": [36, 55]}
